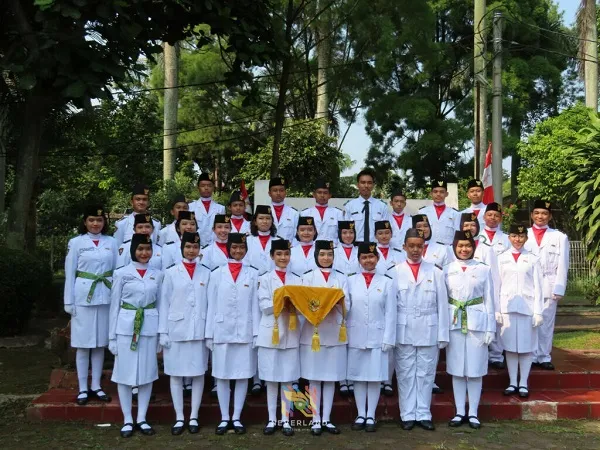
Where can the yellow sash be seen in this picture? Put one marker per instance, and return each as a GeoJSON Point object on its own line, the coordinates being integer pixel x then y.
{"type": "Point", "coordinates": [314, 303]}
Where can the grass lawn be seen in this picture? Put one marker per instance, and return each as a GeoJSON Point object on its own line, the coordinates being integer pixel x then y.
{"type": "Point", "coordinates": [577, 340]}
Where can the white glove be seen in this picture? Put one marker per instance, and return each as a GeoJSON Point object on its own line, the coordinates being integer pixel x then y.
{"type": "Point", "coordinates": [209, 344]}
{"type": "Point", "coordinates": [537, 320]}
{"type": "Point", "coordinates": [499, 319]}
{"type": "Point", "coordinates": [254, 342]}
{"type": "Point", "coordinates": [442, 344]}
{"type": "Point", "coordinates": [112, 346]}
{"type": "Point", "coordinates": [70, 309]}
{"type": "Point", "coordinates": [164, 340]}
{"type": "Point", "coordinates": [386, 348]}
{"type": "Point", "coordinates": [489, 338]}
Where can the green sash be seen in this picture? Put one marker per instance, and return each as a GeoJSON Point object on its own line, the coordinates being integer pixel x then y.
{"type": "Point", "coordinates": [95, 280]}
{"type": "Point", "coordinates": [463, 306]}
{"type": "Point", "coordinates": [138, 321]}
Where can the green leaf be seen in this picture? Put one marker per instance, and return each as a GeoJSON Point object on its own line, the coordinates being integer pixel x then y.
{"type": "Point", "coordinates": [27, 81]}
{"type": "Point", "coordinates": [74, 90]}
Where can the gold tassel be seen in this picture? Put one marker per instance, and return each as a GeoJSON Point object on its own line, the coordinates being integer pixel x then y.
{"type": "Point", "coordinates": [275, 334]}
{"type": "Point", "coordinates": [316, 342]}
{"type": "Point", "coordinates": [293, 319]}
{"type": "Point", "coordinates": [343, 335]}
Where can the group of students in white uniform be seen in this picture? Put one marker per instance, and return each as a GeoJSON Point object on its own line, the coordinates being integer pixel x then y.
{"type": "Point", "coordinates": [412, 286]}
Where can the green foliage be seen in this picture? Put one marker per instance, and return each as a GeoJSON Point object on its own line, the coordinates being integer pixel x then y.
{"type": "Point", "coordinates": [24, 280]}
{"type": "Point", "coordinates": [509, 214]}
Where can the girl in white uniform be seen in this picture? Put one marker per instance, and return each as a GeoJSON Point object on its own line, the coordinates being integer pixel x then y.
{"type": "Point", "coordinates": [186, 222]}
{"type": "Point", "coordinates": [182, 322]}
{"type": "Point", "coordinates": [215, 254]}
{"type": "Point", "coordinates": [142, 224]}
{"type": "Point", "coordinates": [472, 326]}
{"type": "Point", "coordinates": [133, 331]}
{"type": "Point", "coordinates": [303, 253]}
{"type": "Point", "coordinates": [277, 363]}
{"type": "Point", "coordinates": [329, 364]}
{"type": "Point", "coordinates": [89, 266]}
{"type": "Point", "coordinates": [520, 309]}
{"type": "Point", "coordinates": [263, 231]}
{"type": "Point", "coordinates": [231, 329]}
{"type": "Point", "coordinates": [371, 328]}
{"type": "Point", "coordinates": [388, 256]}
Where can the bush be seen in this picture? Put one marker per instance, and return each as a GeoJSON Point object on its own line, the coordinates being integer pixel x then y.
{"type": "Point", "coordinates": [24, 280]}
{"type": "Point", "coordinates": [591, 290]}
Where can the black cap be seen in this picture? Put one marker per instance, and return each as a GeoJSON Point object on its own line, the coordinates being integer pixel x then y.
{"type": "Point", "coordinates": [346, 225]}
{"type": "Point", "coordinates": [542, 204]}
{"type": "Point", "coordinates": [178, 199]}
{"type": "Point", "coordinates": [136, 240]}
{"type": "Point", "coordinates": [397, 193]}
{"type": "Point", "coordinates": [280, 244]}
{"type": "Point", "coordinates": [306, 220]}
{"type": "Point", "coordinates": [367, 247]}
{"type": "Point", "coordinates": [277, 181]}
{"type": "Point", "coordinates": [140, 189]}
{"type": "Point", "coordinates": [204, 176]}
{"type": "Point", "coordinates": [463, 236]}
{"type": "Point", "coordinates": [494, 207]}
{"type": "Point", "coordinates": [186, 215]}
{"type": "Point", "coordinates": [194, 238]}
{"type": "Point", "coordinates": [322, 184]}
{"type": "Point", "coordinates": [236, 238]}
{"type": "Point", "coordinates": [474, 183]}
{"type": "Point", "coordinates": [322, 245]}
{"type": "Point", "coordinates": [262, 209]}
{"type": "Point", "coordinates": [93, 211]}
{"type": "Point", "coordinates": [517, 228]}
{"type": "Point", "coordinates": [142, 218]}
{"type": "Point", "coordinates": [438, 182]}
{"type": "Point", "coordinates": [414, 233]}
{"type": "Point", "coordinates": [236, 196]}
{"type": "Point", "coordinates": [469, 217]}
{"type": "Point", "coordinates": [221, 218]}
{"type": "Point", "coordinates": [419, 218]}
{"type": "Point", "coordinates": [382, 225]}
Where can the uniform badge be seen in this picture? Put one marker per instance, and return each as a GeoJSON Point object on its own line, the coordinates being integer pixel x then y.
{"type": "Point", "coordinates": [478, 183]}
{"type": "Point", "coordinates": [268, 209]}
{"type": "Point", "coordinates": [148, 218]}
{"type": "Point", "coordinates": [387, 224]}
{"type": "Point", "coordinates": [351, 226]}
{"type": "Point", "coordinates": [146, 191]}
{"type": "Point", "coordinates": [440, 183]}
{"type": "Point", "coordinates": [468, 234]}
{"type": "Point", "coordinates": [548, 205]}
{"type": "Point", "coordinates": [227, 219]}
{"type": "Point", "coordinates": [378, 290]}
{"type": "Point", "coordinates": [201, 283]}
{"type": "Point", "coordinates": [196, 238]}
{"type": "Point", "coordinates": [243, 238]}
{"type": "Point", "coordinates": [421, 233]}
{"type": "Point", "coordinates": [152, 278]}
{"type": "Point", "coordinates": [473, 217]}
{"type": "Point", "coordinates": [99, 212]}
{"type": "Point", "coordinates": [121, 251]}
{"type": "Point", "coordinates": [309, 220]}
{"type": "Point", "coordinates": [372, 248]}
{"type": "Point", "coordinates": [521, 229]}
{"type": "Point", "coordinates": [327, 185]}
{"type": "Point", "coordinates": [246, 285]}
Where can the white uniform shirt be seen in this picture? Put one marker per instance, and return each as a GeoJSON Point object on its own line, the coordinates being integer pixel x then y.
{"type": "Point", "coordinates": [553, 252]}
{"type": "Point", "coordinates": [386, 265]}
{"type": "Point", "coordinates": [167, 234]}
{"type": "Point", "coordinates": [300, 263]}
{"type": "Point", "coordinates": [442, 229]}
{"type": "Point", "coordinates": [480, 213]}
{"type": "Point", "coordinates": [213, 256]}
{"type": "Point", "coordinates": [171, 253]}
{"type": "Point", "coordinates": [437, 254]}
{"type": "Point", "coordinates": [287, 222]}
{"type": "Point", "coordinates": [500, 243]}
{"type": "Point", "coordinates": [521, 284]}
{"type": "Point", "coordinates": [399, 233]}
{"type": "Point", "coordinates": [124, 229]}
{"type": "Point", "coordinates": [258, 256]}
{"type": "Point", "coordinates": [327, 227]}
{"type": "Point", "coordinates": [244, 228]}
{"type": "Point", "coordinates": [355, 208]}
{"type": "Point", "coordinates": [205, 220]}
{"type": "Point", "coordinates": [344, 264]}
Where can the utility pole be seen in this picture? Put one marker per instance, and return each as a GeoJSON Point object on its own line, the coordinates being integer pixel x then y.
{"type": "Point", "coordinates": [590, 53]}
{"type": "Point", "coordinates": [480, 90]}
{"type": "Point", "coordinates": [323, 62]}
{"type": "Point", "coordinates": [497, 109]}
{"type": "Point", "coordinates": [171, 100]}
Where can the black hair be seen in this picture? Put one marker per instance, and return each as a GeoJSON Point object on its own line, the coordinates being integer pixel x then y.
{"type": "Point", "coordinates": [369, 172]}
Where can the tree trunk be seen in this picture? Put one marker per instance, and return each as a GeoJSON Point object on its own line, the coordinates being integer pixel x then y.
{"type": "Point", "coordinates": [590, 54]}
{"type": "Point", "coordinates": [323, 62]}
{"type": "Point", "coordinates": [35, 109]}
{"type": "Point", "coordinates": [171, 100]}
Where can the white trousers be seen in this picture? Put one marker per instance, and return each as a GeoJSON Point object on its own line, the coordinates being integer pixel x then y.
{"type": "Point", "coordinates": [415, 372]}
{"type": "Point", "coordinates": [546, 332]}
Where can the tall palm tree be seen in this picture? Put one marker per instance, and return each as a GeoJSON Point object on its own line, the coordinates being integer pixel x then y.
{"type": "Point", "coordinates": [588, 50]}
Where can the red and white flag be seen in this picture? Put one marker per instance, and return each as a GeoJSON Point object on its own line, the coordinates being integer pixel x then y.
{"type": "Point", "coordinates": [488, 190]}
{"type": "Point", "coordinates": [244, 195]}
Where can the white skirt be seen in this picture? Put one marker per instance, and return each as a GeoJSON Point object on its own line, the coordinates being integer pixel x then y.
{"type": "Point", "coordinates": [517, 333]}
{"type": "Point", "coordinates": [280, 365]}
{"type": "Point", "coordinates": [89, 327]}
{"type": "Point", "coordinates": [186, 359]}
{"type": "Point", "coordinates": [139, 367]}
{"type": "Point", "coordinates": [466, 354]}
{"type": "Point", "coordinates": [234, 361]}
{"type": "Point", "coordinates": [328, 364]}
{"type": "Point", "coordinates": [369, 364]}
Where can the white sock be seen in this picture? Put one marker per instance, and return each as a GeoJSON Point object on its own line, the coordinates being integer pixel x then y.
{"type": "Point", "coordinates": [360, 398]}
{"type": "Point", "coordinates": [97, 366]}
{"type": "Point", "coordinates": [223, 394]}
{"type": "Point", "coordinates": [474, 388]}
{"type": "Point", "coordinates": [144, 393]}
{"type": "Point", "coordinates": [125, 400]}
{"type": "Point", "coordinates": [328, 391]}
{"type": "Point", "coordinates": [373, 392]}
{"type": "Point", "coordinates": [459, 388]}
{"type": "Point", "coordinates": [272, 391]}
{"type": "Point", "coordinates": [525, 360]}
{"type": "Point", "coordinates": [315, 393]}
{"type": "Point", "coordinates": [82, 361]}
{"type": "Point", "coordinates": [512, 364]}
{"type": "Point", "coordinates": [177, 396]}
{"type": "Point", "coordinates": [239, 398]}
{"type": "Point", "coordinates": [197, 391]}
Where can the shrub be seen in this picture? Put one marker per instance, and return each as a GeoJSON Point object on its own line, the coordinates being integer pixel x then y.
{"type": "Point", "coordinates": [24, 280]}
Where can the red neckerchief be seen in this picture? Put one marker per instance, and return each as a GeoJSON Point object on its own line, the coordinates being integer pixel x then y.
{"type": "Point", "coordinates": [206, 204]}
{"type": "Point", "coordinates": [326, 275]}
{"type": "Point", "coordinates": [476, 243]}
{"type": "Point", "coordinates": [491, 234]}
{"type": "Point", "coordinates": [142, 272]}
{"type": "Point", "coordinates": [516, 256]}
{"type": "Point", "coordinates": [223, 247]}
{"type": "Point", "coordinates": [399, 219]}
{"type": "Point", "coordinates": [439, 209]}
{"type": "Point", "coordinates": [306, 248]}
{"type": "Point", "coordinates": [539, 234]}
{"type": "Point", "coordinates": [95, 241]}
{"type": "Point", "coordinates": [414, 267]}
{"type": "Point", "coordinates": [263, 240]}
{"type": "Point", "coordinates": [368, 278]}
{"type": "Point", "coordinates": [321, 210]}
{"type": "Point", "coordinates": [476, 212]}
{"type": "Point", "coordinates": [384, 251]}
{"type": "Point", "coordinates": [190, 267]}
{"type": "Point", "coordinates": [281, 275]}
{"type": "Point", "coordinates": [348, 251]}
{"type": "Point", "coordinates": [237, 223]}
{"type": "Point", "coordinates": [463, 268]}
{"type": "Point", "coordinates": [278, 211]}
{"type": "Point", "coordinates": [235, 269]}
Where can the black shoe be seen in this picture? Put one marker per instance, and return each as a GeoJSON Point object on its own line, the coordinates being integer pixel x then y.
{"type": "Point", "coordinates": [358, 426]}
{"type": "Point", "coordinates": [287, 431]}
{"type": "Point", "coordinates": [83, 400]}
{"type": "Point", "coordinates": [523, 392]}
{"type": "Point", "coordinates": [388, 391]}
{"type": "Point", "coordinates": [370, 427]}
{"type": "Point", "coordinates": [316, 431]}
{"type": "Point", "coordinates": [330, 429]}
{"type": "Point", "coordinates": [193, 429]}
{"type": "Point", "coordinates": [213, 392]}
{"type": "Point", "coordinates": [497, 365]}
{"type": "Point", "coordinates": [474, 425]}
{"type": "Point", "coordinates": [145, 431]}
{"type": "Point", "coordinates": [535, 364]}
{"type": "Point", "coordinates": [127, 433]}
{"type": "Point", "coordinates": [510, 390]}
{"type": "Point", "coordinates": [222, 428]}
{"type": "Point", "coordinates": [100, 395]}
{"type": "Point", "coordinates": [256, 389]}
{"type": "Point", "coordinates": [239, 429]}
{"type": "Point", "coordinates": [426, 425]}
{"type": "Point", "coordinates": [547, 365]}
{"type": "Point", "coordinates": [344, 391]}
{"type": "Point", "coordinates": [407, 424]}
{"type": "Point", "coordinates": [270, 428]}
{"type": "Point", "coordinates": [134, 393]}
{"type": "Point", "coordinates": [456, 423]}
{"type": "Point", "coordinates": [437, 390]}
{"type": "Point", "coordinates": [177, 429]}
{"type": "Point", "coordinates": [187, 390]}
